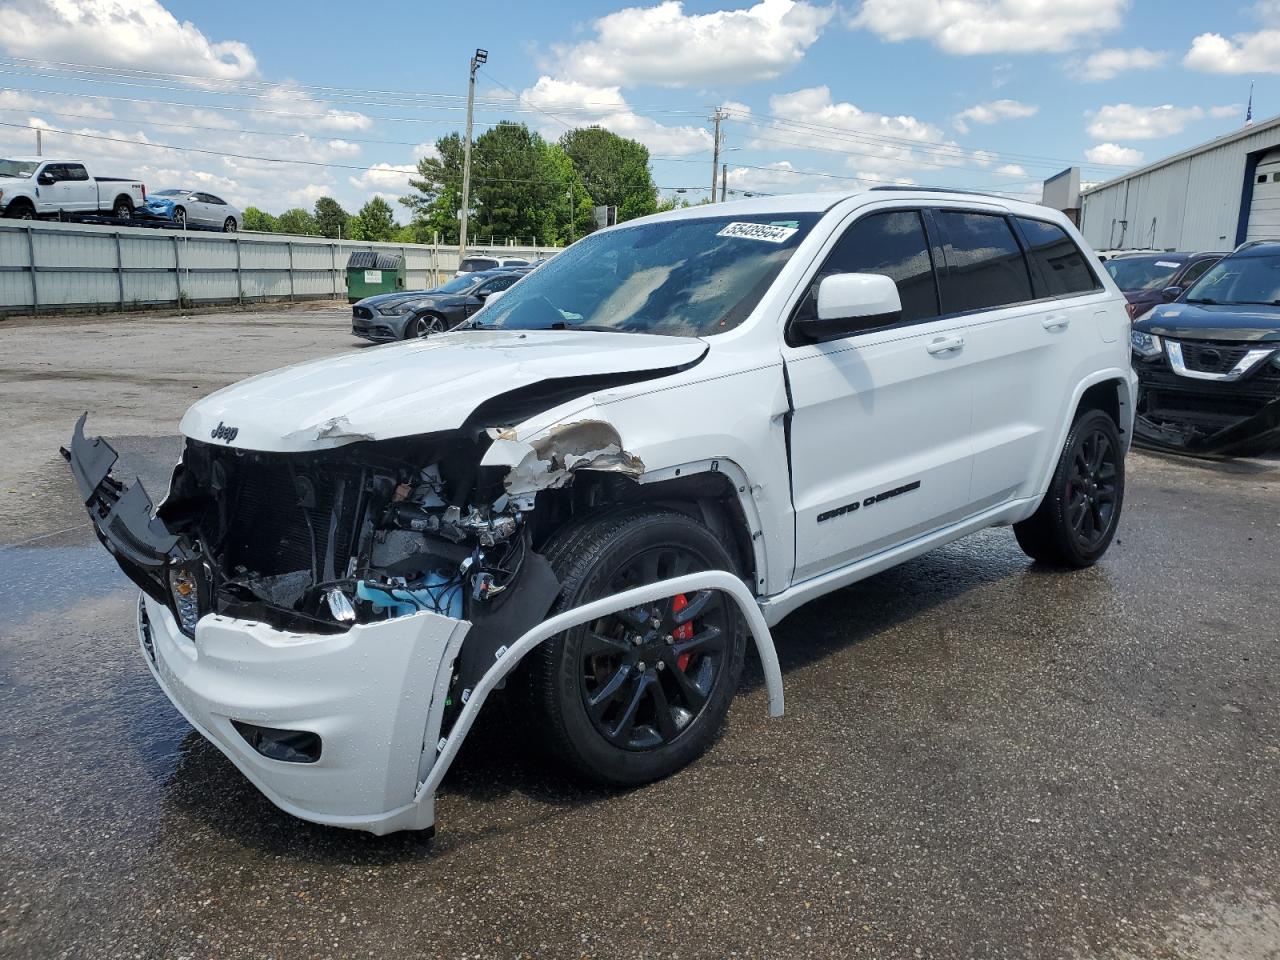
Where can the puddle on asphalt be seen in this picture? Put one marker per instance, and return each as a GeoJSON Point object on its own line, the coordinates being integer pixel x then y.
{"type": "Point", "coordinates": [44, 580]}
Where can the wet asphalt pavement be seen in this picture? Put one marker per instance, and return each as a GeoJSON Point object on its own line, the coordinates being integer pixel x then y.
{"type": "Point", "coordinates": [981, 758]}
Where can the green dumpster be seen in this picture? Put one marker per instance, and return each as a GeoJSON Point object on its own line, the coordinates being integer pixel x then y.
{"type": "Point", "coordinates": [369, 273]}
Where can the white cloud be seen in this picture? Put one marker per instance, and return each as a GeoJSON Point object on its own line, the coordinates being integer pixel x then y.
{"type": "Point", "coordinates": [983, 158]}
{"type": "Point", "coordinates": [1113, 153]}
{"type": "Point", "coordinates": [1124, 121]}
{"type": "Point", "coordinates": [386, 177]}
{"type": "Point", "coordinates": [1244, 53]}
{"type": "Point", "coordinates": [875, 143]}
{"type": "Point", "coordinates": [427, 149]}
{"type": "Point", "coordinates": [305, 197]}
{"type": "Point", "coordinates": [1227, 110]}
{"type": "Point", "coordinates": [136, 33]}
{"type": "Point", "coordinates": [664, 46]}
{"type": "Point", "coordinates": [343, 148]}
{"type": "Point", "coordinates": [991, 26]}
{"type": "Point", "coordinates": [289, 98]}
{"type": "Point", "coordinates": [992, 112]}
{"type": "Point", "coordinates": [606, 107]}
{"type": "Point", "coordinates": [736, 110]}
{"type": "Point", "coordinates": [1011, 170]}
{"type": "Point", "coordinates": [89, 107]}
{"type": "Point", "coordinates": [1106, 64]}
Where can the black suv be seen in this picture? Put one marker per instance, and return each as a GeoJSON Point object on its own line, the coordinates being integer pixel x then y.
{"type": "Point", "coordinates": [1208, 364]}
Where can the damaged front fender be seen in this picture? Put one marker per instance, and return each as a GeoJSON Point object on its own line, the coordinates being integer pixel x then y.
{"type": "Point", "coordinates": [548, 461]}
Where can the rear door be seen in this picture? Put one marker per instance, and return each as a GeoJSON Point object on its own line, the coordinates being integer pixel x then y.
{"type": "Point", "coordinates": [1034, 297]}
{"type": "Point", "coordinates": [879, 433]}
{"type": "Point", "coordinates": [81, 192]}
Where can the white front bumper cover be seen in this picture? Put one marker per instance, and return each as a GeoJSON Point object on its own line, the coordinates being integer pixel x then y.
{"type": "Point", "coordinates": [375, 695]}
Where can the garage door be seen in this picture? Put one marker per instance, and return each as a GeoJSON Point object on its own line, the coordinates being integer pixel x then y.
{"type": "Point", "coordinates": [1264, 213]}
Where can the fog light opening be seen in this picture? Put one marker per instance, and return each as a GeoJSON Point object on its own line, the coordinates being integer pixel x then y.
{"type": "Point", "coordinates": [288, 746]}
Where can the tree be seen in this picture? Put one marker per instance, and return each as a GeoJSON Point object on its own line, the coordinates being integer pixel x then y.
{"type": "Point", "coordinates": [614, 170]}
{"type": "Point", "coordinates": [296, 221]}
{"type": "Point", "coordinates": [374, 222]}
{"type": "Point", "coordinates": [437, 190]}
{"type": "Point", "coordinates": [331, 220]}
{"type": "Point", "coordinates": [260, 220]}
{"type": "Point", "coordinates": [569, 215]}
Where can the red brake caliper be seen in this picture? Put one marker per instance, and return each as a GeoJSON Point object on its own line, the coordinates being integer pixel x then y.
{"type": "Point", "coordinates": [683, 632]}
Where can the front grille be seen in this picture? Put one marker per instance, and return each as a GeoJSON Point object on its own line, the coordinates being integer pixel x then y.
{"type": "Point", "coordinates": [362, 313]}
{"type": "Point", "coordinates": [1210, 403]}
{"type": "Point", "coordinates": [1207, 356]}
{"type": "Point", "coordinates": [284, 510]}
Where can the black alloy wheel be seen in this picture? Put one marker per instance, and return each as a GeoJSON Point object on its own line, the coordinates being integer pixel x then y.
{"type": "Point", "coordinates": [647, 673]}
{"type": "Point", "coordinates": [1091, 490]}
{"type": "Point", "coordinates": [638, 694]}
{"type": "Point", "coordinates": [426, 325]}
{"type": "Point", "coordinates": [1078, 517]}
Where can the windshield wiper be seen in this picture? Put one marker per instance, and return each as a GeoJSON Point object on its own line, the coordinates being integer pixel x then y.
{"type": "Point", "coordinates": [1203, 300]}
{"type": "Point", "coordinates": [1256, 303]}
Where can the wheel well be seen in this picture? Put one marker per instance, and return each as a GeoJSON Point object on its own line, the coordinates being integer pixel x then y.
{"type": "Point", "coordinates": [128, 200]}
{"type": "Point", "coordinates": [1104, 396]}
{"type": "Point", "coordinates": [20, 203]}
{"type": "Point", "coordinates": [710, 498]}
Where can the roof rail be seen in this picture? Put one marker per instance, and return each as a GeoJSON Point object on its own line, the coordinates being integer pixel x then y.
{"type": "Point", "coordinates": [972, 193]}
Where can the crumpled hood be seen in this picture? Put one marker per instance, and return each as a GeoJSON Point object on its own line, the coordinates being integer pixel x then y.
{"type": "Point", "coordinates": [1208, 321]}
{"type": "Point", "coordinates": [163, 205]}
{"type": "Point", "coordinates": [415, 387]}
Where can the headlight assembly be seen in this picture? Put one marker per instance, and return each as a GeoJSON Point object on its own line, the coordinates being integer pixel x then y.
{"type": "Point", "coordinates": [186, 599]}
{"type": "Point", "coordinates": [1145, 345]}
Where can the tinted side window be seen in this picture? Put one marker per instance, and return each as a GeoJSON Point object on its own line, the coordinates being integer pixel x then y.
{"type": "Point", "coordinates": [1195, 272]}
{"type": "Point", "coordinates": [985, 266]}
{"type": "Point", "coordinates": [894, 244]}
{"type": "Point", "coordinates": [56, 172]}
{"type": "Point", "coordinates": [76, 171]}
{"type": "Point", "coordinates": [1063, 267]}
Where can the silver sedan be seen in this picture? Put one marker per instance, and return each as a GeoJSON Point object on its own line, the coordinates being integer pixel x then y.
{"type": "Point", "coordinates": [193, 208]}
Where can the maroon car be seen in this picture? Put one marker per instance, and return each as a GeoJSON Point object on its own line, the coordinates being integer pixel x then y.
{"type": "Point", "coordinates": [1153, 278]}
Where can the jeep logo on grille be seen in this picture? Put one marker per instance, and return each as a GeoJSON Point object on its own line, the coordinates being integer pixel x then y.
{"type": "Point", "coordinates": [223, 432]}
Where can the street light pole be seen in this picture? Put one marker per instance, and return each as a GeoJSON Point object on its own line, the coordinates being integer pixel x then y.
{"type": "Point", "coordinates": [482, 56]}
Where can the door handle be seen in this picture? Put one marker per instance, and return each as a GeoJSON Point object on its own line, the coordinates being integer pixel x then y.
{"type": "Point", "coordinates": [945, 345]}
{"type": "Point", "coordinates": [1056, 321]}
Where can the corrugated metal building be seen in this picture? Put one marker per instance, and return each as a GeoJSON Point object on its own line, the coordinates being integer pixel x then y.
{"type": "Point", "coordinates": [1205, 198]}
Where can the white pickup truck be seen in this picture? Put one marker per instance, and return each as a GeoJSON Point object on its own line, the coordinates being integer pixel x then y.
{"type": "Point", "coordinates": [33, 187]}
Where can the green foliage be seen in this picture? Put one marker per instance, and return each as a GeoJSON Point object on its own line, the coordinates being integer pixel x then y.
{"type": "Point", "coordinates": [296, 221]}
{"type": "Point", "coordinates": [374, 222]}
{"type": "Point", "coordinates": [614, 170]}
{"type": "Point", "coordinates": [437, 192]}
{"type": "Point", "coordinates": [255, 219]}
{"type": "Point", "coordinates": [331, 220]}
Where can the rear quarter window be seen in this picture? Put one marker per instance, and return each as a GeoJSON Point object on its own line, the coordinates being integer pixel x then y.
{"type": "Point", "coordinates": [1062, 267]}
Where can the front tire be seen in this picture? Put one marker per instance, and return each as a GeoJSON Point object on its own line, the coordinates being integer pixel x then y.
{"type": "Point", "coordinates": [1074, 524]}
{"type": "Point", "coordinates": [21, 210]}
{"type": "Point", "coordinates": [180, 217]}
{"type": "Point", "coordinates": [229, 225]}
{"type": "Point", "coordinates": [424, 326]}
{"type": "Point", "coordinates": [636, 696]}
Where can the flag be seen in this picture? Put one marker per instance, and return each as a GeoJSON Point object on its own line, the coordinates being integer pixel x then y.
{"type": "Point", "coordinates": [1248, 114]}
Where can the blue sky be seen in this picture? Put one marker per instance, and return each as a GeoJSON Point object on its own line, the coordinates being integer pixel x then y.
{"type": "Point", "coordinates": [995, 94]}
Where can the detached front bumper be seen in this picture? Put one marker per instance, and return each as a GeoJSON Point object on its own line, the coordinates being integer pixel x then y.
{"type": "Point", "coordinates": [373, 695]}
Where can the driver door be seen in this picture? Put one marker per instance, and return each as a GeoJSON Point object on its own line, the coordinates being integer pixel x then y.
{"type": "Point", "coordinates": [881, 450]}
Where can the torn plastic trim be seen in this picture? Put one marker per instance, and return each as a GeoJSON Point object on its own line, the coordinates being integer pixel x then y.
{"type": "Point", "coordinates": [548, 461]}
{"type": "Point", "coordinates": [720, 580]}
{"type": "Point", "coordinates": [1251, 434]}
{"type": "Point", "coordinates": [123, 516]}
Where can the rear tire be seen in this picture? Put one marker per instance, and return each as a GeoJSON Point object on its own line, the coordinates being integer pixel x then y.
{"type": "Point", "coordinates": [1074, 524]}
{"type": "Point", "coordinates": [123, 210]}
{"type": "Point", "coordinates": [622, 712]}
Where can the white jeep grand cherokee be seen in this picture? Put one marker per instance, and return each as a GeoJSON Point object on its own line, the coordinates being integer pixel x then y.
{"type": "Point", "coordinates": [748, 405]}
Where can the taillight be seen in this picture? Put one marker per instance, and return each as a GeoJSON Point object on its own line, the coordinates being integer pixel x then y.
{"type": "Point", "coordinates": [144, 192]}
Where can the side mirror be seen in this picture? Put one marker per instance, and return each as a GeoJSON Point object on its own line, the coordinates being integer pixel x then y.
{"type": "Point", "coordinates": [849, 303]}
{"type": "Point", "coordinates": [46, 180]}
{"type": "Point", "coordinates": [1170, 294]}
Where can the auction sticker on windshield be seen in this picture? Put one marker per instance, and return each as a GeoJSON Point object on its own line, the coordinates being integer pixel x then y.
{"type": "Point", "coordinates": [768, 232]}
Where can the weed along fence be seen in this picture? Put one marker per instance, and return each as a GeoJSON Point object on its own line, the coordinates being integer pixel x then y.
{"type": "Point", "coordinates": [57, 267]}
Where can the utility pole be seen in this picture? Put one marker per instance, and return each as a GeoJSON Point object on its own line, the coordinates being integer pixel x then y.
{"type": "Point", "coordinates": [724, 182]}
{"type": "Point", "coordinates": [39, 144]}
{"type": "Point", "coordinates": [482, 56]}
{"type": "Point", "coordinates": [715, 156]}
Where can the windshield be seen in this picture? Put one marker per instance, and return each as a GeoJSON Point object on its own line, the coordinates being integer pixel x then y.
{"type": "Point", "coordinates": [1244, 279]}
{"type": "Point", "coordinates": [1142, 273]}
{"type": "Point", "coordinates": [674, 277]}
{"type": "Point", "coordinates": [460, 284]}
{"type": "Point", "coordinates": [18, 168]}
